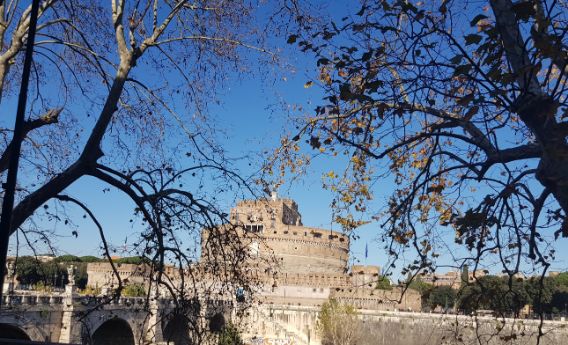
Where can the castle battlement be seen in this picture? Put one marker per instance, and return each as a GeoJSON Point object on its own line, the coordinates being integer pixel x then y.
{"type": "Point", "coordinates": [313, 279]}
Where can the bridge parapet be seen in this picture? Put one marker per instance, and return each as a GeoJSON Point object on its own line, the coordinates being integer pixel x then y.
{"type": "Point", "coordinates": [28, 299]}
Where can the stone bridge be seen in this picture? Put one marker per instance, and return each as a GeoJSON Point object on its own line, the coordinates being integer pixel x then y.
{"type": "Point", "coordinates": [90, 320]}
{"type": "Point", "coordinates": [130, 321]}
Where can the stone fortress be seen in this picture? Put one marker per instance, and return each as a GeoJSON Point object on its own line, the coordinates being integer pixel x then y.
{"type": "Point", "coordinates": [311, 264]}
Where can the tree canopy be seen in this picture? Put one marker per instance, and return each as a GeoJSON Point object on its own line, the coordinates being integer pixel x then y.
{"type": "Point", "coordinates": [442, 296]}
{"type": "Point", "coordinates": [120, 90]}
{"type": "Point", "coordinates": [457, 109]}
{"type": "Point", "coordinates": [31, 271]}
{"type": "Point", "coordinates": [119, 95]}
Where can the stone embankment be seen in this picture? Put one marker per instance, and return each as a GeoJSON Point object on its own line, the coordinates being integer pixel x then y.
{"type": "Point", "coordinates": [298, 325]}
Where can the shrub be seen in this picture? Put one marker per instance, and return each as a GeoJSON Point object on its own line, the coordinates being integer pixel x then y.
{"type": "Point", "coordinates": [134, 290]}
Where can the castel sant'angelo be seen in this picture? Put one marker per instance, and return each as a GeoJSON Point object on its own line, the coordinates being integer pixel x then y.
{"type": "Point", "coordinates": [310, 264]}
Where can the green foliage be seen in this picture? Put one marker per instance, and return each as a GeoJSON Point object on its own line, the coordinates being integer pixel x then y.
{"type": "Point", "coordinates": [230, 336]}
{"type": "Point", "coordinates": [562, 279]}
{"type": "Point", "coordinates": [499, 294]}
{"type": "Point", "coordinates": [42, 287]}
{"type": "Point", "coordinates": [135, 260]}
{"type": "Point", "coordinates": [546, 295]}
{"type": "Point", "coordinates": [67, 258]}
{"type": "Point", "coordinates": [540, 292]}
{"type": "Point", "coordinates": [27, 270]}
{"type": "Point", "coordinates": [559, 301]}
{"type": "Point", "coordinates": [420, 286]}
{"type": "Point", "coordinates": [90, 258]}
{"type": "Point", "coordinates": [442, 296]}
{"type": "Point", "coordinates": [383, 283]}
{"type": "Point", "coordinates": [81, 276]}
{"type": "Point", "coordinates": [89, 290]}
{"type": "Point", "coordinates": [31, 271]}
{"type": "Point", "coordinates": [134, 290]}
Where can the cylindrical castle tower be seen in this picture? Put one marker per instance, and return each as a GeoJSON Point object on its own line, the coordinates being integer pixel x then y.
{"type": "Point", "coordinates": [296, 248]}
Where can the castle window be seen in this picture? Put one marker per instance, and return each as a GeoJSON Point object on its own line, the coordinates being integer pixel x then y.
{"type": "Point", "coordinates": [254, 228]}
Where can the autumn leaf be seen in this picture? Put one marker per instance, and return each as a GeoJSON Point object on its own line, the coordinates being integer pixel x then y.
{"type": "Point", "coordinates": [476, 19]}
{"type": "Point", "coordinates": [456, 59]}
{"type": "Point", "coordinates": [472, 39]}
{"type": "Point", "coordinates": [315, 142]}
{"type": "Point", "coordinates": [292, 39]}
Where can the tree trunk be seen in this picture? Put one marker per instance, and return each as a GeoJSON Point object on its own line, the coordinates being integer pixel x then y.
{"type": "Point", "coordinates": [535, 108]}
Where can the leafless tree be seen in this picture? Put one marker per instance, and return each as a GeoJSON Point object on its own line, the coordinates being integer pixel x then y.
{"type": "Point", "coordinates": [119, 94]}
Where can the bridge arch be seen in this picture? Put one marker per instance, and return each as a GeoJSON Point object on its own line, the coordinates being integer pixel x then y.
{"type": "Point", "coordinates": [176, 330]}
{"type": "Point", "coordinates": [115, 331]}
{"type": "Point", "coordinates": [28, 325]}
{"type": "Point", "coordinates": [9, 331]}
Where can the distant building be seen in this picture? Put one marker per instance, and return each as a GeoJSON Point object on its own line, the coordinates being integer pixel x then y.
{"type": "Point", "coordinates": [102, 275]}
{"type": "Point", "coordinates": [452, 278]}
